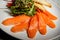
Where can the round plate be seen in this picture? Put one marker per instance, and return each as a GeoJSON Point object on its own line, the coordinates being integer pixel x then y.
{"type": "Point", "coordinates": [4, 14]}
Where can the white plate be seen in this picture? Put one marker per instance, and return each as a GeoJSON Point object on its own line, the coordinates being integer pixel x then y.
{"type": "Point", "coordinates": [22, 35]}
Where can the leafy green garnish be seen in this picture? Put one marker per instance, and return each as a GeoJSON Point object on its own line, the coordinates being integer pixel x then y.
{"type": "Point", "coordinates": [23, 7]}
{"type": "Point", "coordinates": [32, 10]}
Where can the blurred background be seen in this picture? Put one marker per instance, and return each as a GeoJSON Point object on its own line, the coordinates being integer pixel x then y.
{"type": "Point", "coordinates": [4, 36]}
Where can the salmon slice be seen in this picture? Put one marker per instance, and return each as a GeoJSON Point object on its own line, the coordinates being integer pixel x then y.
{"type": "Point", "coordinates": [48, 14]}
{"type": "Point", "coordinates": [42, 25]}
{"type": "Point", "coordinates": [49, 22]}
{"type": "Point", "coordinates": [32, 30]}
{"type": "Point", "coordinates": [15, 20]}
{"type": "Point", "coordinates": [20, 27]}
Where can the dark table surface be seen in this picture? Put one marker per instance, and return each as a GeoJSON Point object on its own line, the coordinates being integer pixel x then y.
{"type": "Point", "coordinates": [4, 36]}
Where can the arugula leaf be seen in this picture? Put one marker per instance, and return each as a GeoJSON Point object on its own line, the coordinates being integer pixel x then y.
{"type": "Point", "coordinates": [23, 7]}
{"type": "Point", "coordinates": [31, 10]}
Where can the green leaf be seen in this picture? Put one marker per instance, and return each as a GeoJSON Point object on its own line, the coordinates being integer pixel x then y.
{"type": "Point", "coordinates": [23, 7]}
{"type": "Point", "coordinates": [31, 10]}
